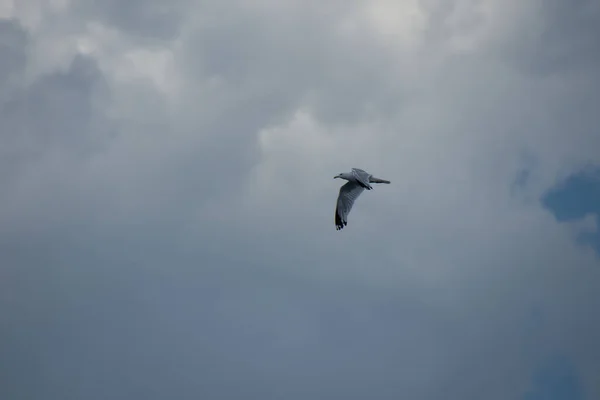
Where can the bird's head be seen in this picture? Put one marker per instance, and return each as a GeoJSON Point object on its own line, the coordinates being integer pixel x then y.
{"type": "Point", "coordinates": [343, 175]}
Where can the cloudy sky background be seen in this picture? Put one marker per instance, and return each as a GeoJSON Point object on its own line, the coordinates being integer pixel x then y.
{"type": "Point", "coordinates": [167, 202]}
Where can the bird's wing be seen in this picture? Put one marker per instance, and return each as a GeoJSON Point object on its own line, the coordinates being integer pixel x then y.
{"type": "Point", "coordinates": [362, 177]}
{"type": "Point", "coordinates": [348, 193]}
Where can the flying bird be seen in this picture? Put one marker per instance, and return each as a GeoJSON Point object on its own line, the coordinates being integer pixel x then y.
{"type": "Point", "coordinates": [358, 180]}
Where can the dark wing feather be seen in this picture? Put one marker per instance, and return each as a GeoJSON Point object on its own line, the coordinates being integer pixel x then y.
{"type": "Point", "coordinates": [348, 194]}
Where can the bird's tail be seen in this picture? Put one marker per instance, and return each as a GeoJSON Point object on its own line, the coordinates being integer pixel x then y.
{"type": "Point", "coordinates": [377, 180]}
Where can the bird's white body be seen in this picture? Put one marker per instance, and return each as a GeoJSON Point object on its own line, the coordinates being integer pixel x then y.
{"type": "Point", "coordinates": [358, 180]}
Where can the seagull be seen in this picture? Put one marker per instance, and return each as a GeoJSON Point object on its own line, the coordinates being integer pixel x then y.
{"type": "Point", "coordinates": [358, 180]}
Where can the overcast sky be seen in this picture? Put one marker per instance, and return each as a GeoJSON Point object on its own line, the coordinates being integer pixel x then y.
{"type": "Point", "coordinates": [167, 199]}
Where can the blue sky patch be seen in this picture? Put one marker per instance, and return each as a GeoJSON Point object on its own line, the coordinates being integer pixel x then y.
{"type": "Point", "coordinates": [577, 196]}
{"type": "Point", "coordinates": [557, 380]}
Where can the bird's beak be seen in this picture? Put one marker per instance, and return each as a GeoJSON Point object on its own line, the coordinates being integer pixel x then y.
{"type": "Point", "coordinates": [337, 176]}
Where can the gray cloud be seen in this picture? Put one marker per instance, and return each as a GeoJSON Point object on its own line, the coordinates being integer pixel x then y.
{"type": "Point", "coordinates": [174, 237]}
{"type": "Point", "coordinates": [12, 48]}
{"type": "Point", "coordinates": [146, 19]}
{"type": "Point", "coordinates": [566, 40]}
